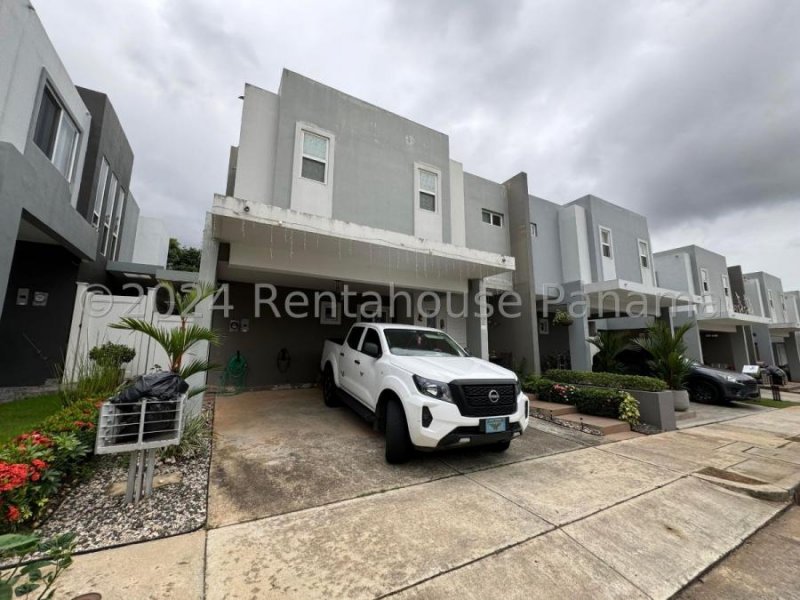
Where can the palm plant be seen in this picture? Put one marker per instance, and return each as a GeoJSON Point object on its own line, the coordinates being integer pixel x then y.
{"type": "Point", "coordinates": [667, 352]}
{"type": "Point", "coordinates": [177, 341]}
{"type": "Point", "coordinates": [609, 344]}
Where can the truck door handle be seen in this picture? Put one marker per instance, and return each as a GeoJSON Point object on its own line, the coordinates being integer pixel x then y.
{"type": "Point", "coordinates": [358, 362]}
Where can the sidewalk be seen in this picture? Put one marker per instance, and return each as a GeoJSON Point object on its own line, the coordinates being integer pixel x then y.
{"type": "Point", "coordinates": [641, 518]}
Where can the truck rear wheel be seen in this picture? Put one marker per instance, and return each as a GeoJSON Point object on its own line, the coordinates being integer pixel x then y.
{"type": "Point", "coordinates": [329, 391]}
{"type": "Point", "coordinates": [398, 442]}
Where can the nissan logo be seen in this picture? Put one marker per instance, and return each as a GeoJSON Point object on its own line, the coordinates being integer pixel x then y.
{"type": "Point", "coordinates": [494, 396]}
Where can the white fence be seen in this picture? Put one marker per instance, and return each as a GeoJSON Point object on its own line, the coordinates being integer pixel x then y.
{"type": "Point", "coordinates": [92, 316]}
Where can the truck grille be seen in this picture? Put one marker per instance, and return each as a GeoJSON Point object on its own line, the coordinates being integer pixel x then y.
{"type": "Point", "coordinates": [473, 399]}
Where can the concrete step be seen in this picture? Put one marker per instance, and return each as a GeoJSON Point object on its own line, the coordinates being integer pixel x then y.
{"type": "Point", "coordinates": [550, 409]}
{"type": "Point", "coordinates": [603, 425]}
{"type": "Point", "coordinates": [685, 415]}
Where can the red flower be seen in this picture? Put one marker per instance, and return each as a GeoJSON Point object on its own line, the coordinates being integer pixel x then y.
{"type": "Point", "coordinates": [35, 476]}
{"type": "Point", "coordinates": [12, 476]}
{"type": "Point", "coordinates": [39, 464]}
{"type": "Point", "coordinates": [12, 514]}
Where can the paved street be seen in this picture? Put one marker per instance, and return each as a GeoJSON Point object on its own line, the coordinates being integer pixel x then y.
{"type": "Point", "coordinates": [561, 515]}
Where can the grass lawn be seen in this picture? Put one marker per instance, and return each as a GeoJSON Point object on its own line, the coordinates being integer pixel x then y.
{"type": "Point", "coordinates": [23, 415]}
{"type": "Point", "coordinates": [771, 403]}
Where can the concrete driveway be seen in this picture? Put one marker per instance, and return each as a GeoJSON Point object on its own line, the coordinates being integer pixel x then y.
{"type": "Point", "coordinates": [302, 505]}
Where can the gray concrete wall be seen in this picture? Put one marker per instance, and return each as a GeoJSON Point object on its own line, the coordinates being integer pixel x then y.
{"type": "Point", "coordinates": [769, 283]}
{"type": "Point", "coordinates": [375, 152]}
{"type": "Point", "coordinates": [546, 244]}
{"type": "Point", "coordinates": [480, 193]}
{"type": "Point", "coordinates": [699, 259]}
{"type": "Point", "coordinates": [627, 228]}
{"type": "Point", "coordinates": [302, 338]}
{"type": "Point", "coordinates": [130, 223]}
{"type": "Point", "coordinates": [107, 139]}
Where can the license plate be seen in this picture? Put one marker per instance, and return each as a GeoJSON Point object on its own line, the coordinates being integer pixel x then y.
{"type": "Point", "coordinates": [497, 425]}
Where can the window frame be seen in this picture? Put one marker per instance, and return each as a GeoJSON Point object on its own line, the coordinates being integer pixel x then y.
{"type": "Point", "coordinates": [436, 193]}
{"type": "Point", "coordinates": [770, 299]}
{"type": "Point", "coordinates": [609, 244]}
{"type": "Point", "coordinates": [116, 220]}
{"type": "Point", "coordinates": [303, 156]}
{"type": "Point", "coordinates": [705, 281]}
{"type": "Point", "coordinates": [100, 193]}
{"type": "Point", "coordinates": [726, 286]}
{"type": "Point", "coordinates": [492, 214]}
{"type": "Point", "coordinates": [534, 230]}
{"type": "Point", "coordinates": [644, 258]}
{"type": "Point", "coordinates": [107, 214]}
{"type": "Point", "coordinates": [47, 88]}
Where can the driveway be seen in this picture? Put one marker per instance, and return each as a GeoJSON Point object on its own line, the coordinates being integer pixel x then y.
{"type": "Point", "coordinates": [302, 505]}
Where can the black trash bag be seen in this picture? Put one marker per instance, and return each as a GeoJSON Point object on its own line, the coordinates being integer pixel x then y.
{"type": "Point", "coordinates": [160, 391]}
{"type": "Point", "coordinates": [163, 385]}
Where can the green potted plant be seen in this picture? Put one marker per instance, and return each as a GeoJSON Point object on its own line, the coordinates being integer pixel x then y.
{"type": "Point", "coordinates": [668, 360]}
{"type": "Point", "coordinates": [609, 344]}
{"type": "Point", "coordinates": [562, 319]}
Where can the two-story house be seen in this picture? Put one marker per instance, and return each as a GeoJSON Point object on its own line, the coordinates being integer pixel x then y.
{"type": "Point", "coordinates": [342, 201]}
{"type": "Point", "coordinates": [593, 260]}
{"type": "Point", "coordinates": [777, 342]}
{"type": "Point", "coordinates": [725, 325]}
{"type": "Point", "coordinates": [66, 212]}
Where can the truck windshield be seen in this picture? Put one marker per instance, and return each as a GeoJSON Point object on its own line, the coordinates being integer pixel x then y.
{"type": "Point", "coordinates": [421, 342]}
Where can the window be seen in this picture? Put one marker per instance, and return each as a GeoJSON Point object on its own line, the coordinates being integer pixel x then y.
{"type": "Point", "coordinates": [99, 193]}
{"type": "Point", "coordinates": [428, 189]}
{"type": "Point", "coordinates": [771, 301]}
{"type": "Point", "coordinates": [371, 337]}
{"type": "Point", "coordinates": [644, 254]}
{"type": "Point", "coordinates": [704, 279]}
{"type": "Point", "coordinates": [534, 230]}
{"type": "Point", "coordinates": [606, 243]}
{"type": "Point", "coordinates": [110, 201]}
{"type": "Point", "coordinates": [117, 218]}
{"type": "Point", "coordinates": [315, 157]}
{"type": "Point", "coordinates": [354, 337]}
{"type": "Point", "coordinates": [492, 218]}
{"type": "Point", "coordinates": [56, 134]}
{"type": "Point", "coordinates": [726, 288]}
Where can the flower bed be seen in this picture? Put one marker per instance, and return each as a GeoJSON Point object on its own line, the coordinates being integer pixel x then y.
{"type": "Point", "coordinates": [34, 465]}
{"type": "Point", "coordinates": [607, 380]}
{"type": "Point", "coordinates": [597, 401]}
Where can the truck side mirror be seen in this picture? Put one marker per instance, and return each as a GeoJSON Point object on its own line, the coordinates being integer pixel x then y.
{"type": "Point", "coordinates": [371, 349]}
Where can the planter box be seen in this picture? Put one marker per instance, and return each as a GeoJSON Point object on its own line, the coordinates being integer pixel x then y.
{"type": "Point", "coordinates": [656, 409]}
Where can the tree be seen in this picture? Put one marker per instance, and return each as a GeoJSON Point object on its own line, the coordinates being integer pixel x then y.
{"type": "Point", "coordinates": [668, 352]}
{"type": "Point", "coordinates": [180, 258]}
{"type": "Point", "coordinates": [609, 344]}
{"type": "Point", "coordinates": [177, 341]}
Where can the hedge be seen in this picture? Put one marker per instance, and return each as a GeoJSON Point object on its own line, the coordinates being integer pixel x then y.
{"type": "Point", "coordinates": [607, 380]}
{"type": "Point", "coordinates": [596, 401]}
{"type": "Point", "coordinates": [35, 464]}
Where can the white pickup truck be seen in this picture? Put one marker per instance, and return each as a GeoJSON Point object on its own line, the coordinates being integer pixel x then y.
{"type": "Point", "coordinates": [422, 389]}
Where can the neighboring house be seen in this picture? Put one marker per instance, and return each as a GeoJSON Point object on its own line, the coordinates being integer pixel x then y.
{"type": "Point", "coordinates": [779, 342]}
{"type": "Point", "coordinates": [594, 260]}
{"type": "Point", "coordinates": [725, 325]}
{"type": "Point", "coordinates": [326, 190]}
{"type": "Point", "coordinates": [44, 132]}
{"type": "Point", "coordinates": [66, 212]}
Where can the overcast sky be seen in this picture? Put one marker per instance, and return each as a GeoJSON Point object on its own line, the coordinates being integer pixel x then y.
{"type": "Point", "coordinates": [687, 112]}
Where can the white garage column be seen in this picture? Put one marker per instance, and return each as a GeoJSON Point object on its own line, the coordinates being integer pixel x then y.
{"type": "Point", "coordinates": [694, 346]}
{"type": "Point", "coordinates": [207, 274]}
{"type": "Point", "coordinates": [477, 326]}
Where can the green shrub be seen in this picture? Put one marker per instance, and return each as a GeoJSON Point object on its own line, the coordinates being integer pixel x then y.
{"type": "Point", "coordinates": [38, 577]}
{"type": "Point", "coordinates": [90, 379]}
{"type": "Point", "coordinates": [607, 380]}
{"type": "Point", "coordinates": [112, 355]}
{"type": "Point", "coordinates": [194, 441]}
{"type": "Point", "coordinates": [35, 464]}
{"type": "Point", "coordinates": [596, 401]}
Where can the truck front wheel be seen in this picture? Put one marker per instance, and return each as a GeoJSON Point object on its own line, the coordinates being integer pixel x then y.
{"type": "Point", "coordinates": [329, 388]}
{"type": "Point", "coordinates": [398, 443]}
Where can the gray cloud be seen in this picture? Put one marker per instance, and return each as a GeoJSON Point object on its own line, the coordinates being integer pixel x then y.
{"type": "Point", "coordinates": [687, 112]}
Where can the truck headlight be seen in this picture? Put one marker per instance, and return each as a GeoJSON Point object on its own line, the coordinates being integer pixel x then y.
{"type": "Point", "coordinates": [434, 389]}
{"type": "Point", "coordinates": [731, 378]}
